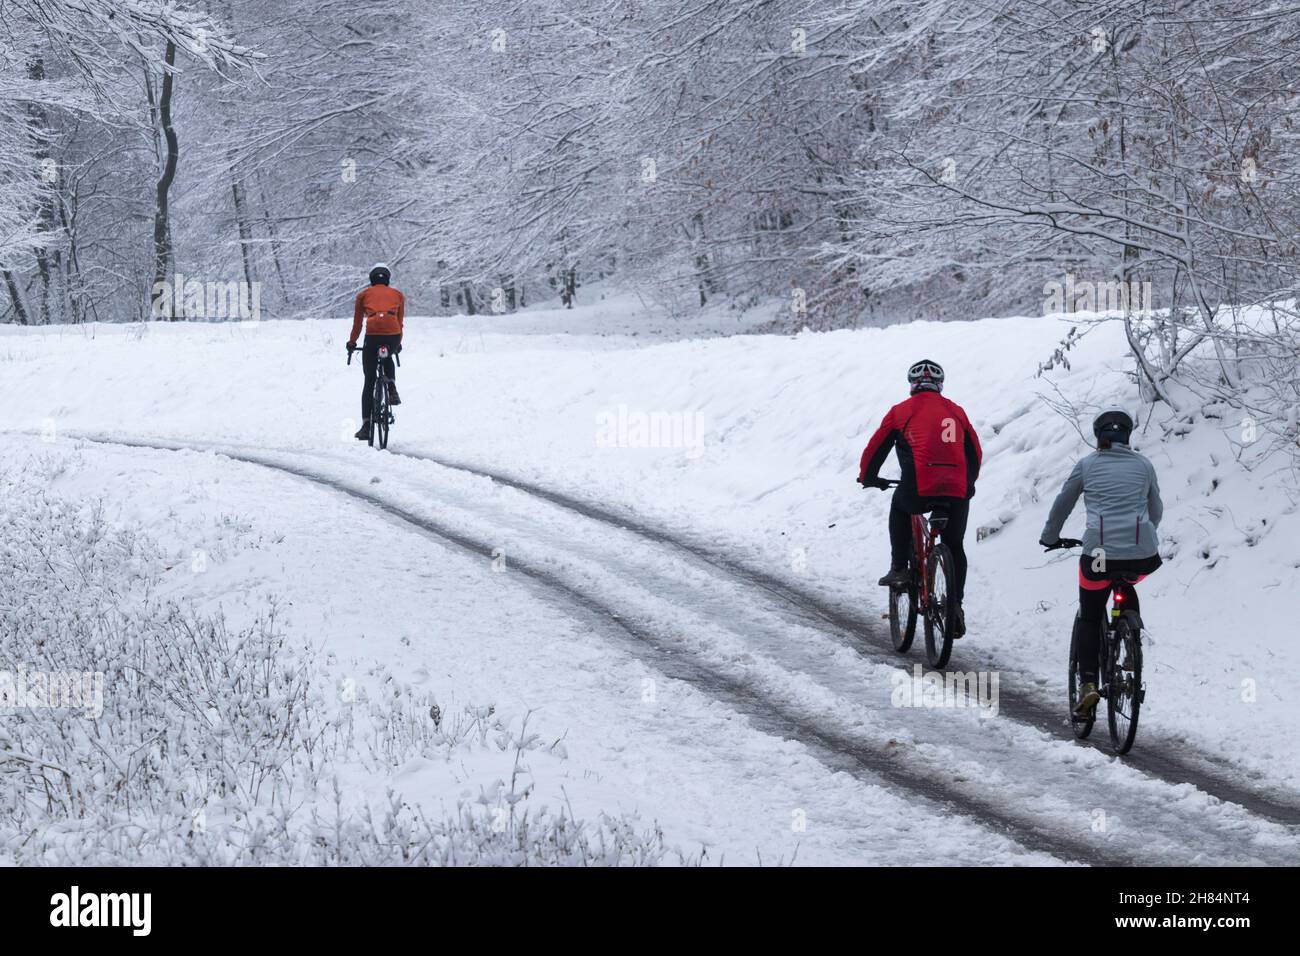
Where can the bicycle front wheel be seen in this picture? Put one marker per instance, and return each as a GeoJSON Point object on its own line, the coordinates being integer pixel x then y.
{"type": "Point", "coordinates": [941, 612]}
{"type": "Point", "coordinates": [379, 416]}
{"type": "Point", "coordinates": [383, 432]}
{"type": "Point", "coordinates": [1124, 684]}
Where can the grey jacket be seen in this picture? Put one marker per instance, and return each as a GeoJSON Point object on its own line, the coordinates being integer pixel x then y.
{"type": "Point", "coordinates": [1120, 491]}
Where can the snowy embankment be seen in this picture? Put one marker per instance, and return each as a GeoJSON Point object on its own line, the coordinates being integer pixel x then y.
{"type": "Point", "coordinates": [140, 729]}
{"type": "Point", "coordinates": [765, 434]}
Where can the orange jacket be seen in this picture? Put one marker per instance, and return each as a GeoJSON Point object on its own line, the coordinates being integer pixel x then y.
{"type": "Point", "coordinates": [381, 308]}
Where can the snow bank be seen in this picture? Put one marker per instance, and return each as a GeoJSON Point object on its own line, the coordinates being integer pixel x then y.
{"type": "Point", "coordinates": [137, 731]}
{"type": "Point", "coordinates": [783, 421]}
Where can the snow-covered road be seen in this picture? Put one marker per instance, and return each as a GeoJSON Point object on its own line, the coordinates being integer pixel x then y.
{"type": "Point", "coordinates": [694, 628]}
{"type": "Point", "coordinates": [704, 634]}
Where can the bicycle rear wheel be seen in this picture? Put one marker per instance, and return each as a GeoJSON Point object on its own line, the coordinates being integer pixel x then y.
{"type": "Point", "coordinates": [1082, 727]}
{"type": "Point", "coordinates": [1124, 684]}
{"type": "Point", "coordinates": [902, 616]}
{"type": "Point", "coordinates": [941, 613]}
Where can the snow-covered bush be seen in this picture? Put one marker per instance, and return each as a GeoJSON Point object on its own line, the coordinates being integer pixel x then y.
{"type": "Point", "coordinates": [185, 740]}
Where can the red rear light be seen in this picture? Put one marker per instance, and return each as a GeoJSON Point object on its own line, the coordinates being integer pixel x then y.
{"type": "Point", "coordinates": [1119, 597]}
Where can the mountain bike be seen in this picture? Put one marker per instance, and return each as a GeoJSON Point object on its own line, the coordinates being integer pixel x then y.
{"type": "Point", "coordinates": [381, 413]}
{"type": "Point", "coordinates": [926, 596]}
{"type": "Point", "coordinates": [1119, 671]}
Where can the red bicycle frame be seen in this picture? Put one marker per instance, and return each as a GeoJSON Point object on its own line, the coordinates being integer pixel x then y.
{"type": "Point", "coordinates": [924, 534]}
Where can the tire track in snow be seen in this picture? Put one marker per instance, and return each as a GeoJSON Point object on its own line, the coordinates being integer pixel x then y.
{"type": "Point", "coordinates": [835, 749]}
{"type": "Point", "coordinates": [1202, 771]}
{"type": "Point", "coordinates": [1015, 813]}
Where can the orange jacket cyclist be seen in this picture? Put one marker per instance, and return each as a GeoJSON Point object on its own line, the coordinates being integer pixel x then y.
{"type": "Point", "coordinates": [381, 309]}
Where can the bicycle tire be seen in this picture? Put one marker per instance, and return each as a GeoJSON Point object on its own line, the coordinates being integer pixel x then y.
{"type": "Point", "coordinates": [902, 616]}
{"type": "Point", "coordinates": [379, 414]}
{"type": "Point", "coordinates": [1124, 687]}
{"type": "Point", "coordinates": [941, 613]}
{"type": "Point", "coordinates": [1081, 728]}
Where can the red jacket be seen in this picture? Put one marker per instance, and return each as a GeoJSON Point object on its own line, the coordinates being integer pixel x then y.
{"type": "Point", "coordinates": [381, 308]}
{"type": "Point", "coordinates": [937, 447]}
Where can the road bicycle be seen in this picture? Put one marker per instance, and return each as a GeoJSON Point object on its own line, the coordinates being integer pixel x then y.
{"type": "Point", "coordinates": [1119, 671]}
{"type": "Point", "coordinates": [381, 413]}
{"type": "Point", "coordinates": [930, 570]}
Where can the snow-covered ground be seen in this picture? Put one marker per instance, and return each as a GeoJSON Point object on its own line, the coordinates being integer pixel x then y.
{"type": "Point", "coordinates": [714, 710]}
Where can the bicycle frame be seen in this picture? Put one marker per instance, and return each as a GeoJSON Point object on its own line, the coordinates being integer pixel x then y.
{"type": "Point", "coordinates": [381, 375]}
{"type": "Point", "coordinates": [924, 535]}
{"type": "Point", "coordinates": [1118, 597]}
{"type": "Point", "coordinates": [930, 563]}
{"type": "Point", "coordinates": [1119, 590]}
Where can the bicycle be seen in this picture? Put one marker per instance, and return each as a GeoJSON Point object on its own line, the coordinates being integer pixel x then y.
{"type": "Point", "coordinates": [931, 570]}
{"type": "Point", "coordinates": [1119, 674]}
{"type": "Point", "coordinates": [381, 413]}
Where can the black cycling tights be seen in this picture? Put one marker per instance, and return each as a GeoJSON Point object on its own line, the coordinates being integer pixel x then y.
{"type": "Point", "coordinates": [900, 534]}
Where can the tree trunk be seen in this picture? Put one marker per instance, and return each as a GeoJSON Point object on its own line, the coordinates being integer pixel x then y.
{"type": "Point", "coordinates": [569, 287]}
{"type": "Point", "coordinates": [45, 211]}
{"type": "Point", "coordinates": [20, 311]}
{"type": "Point", "coordinates": [72, 287]}
{"type": "Point", "coordinates": [241, 221]}
{"type": "Point", "coordinates": [162, 251]}
{"type": "Point", "coordinates": [276, 258]}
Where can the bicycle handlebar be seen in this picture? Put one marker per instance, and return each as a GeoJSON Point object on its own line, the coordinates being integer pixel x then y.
{"type": "Point", "coordinates": [889, 483]}
{"type": "Point", "coordinates": [1063, 543]}
{"type": "Point", "coordinates": [396, 355]}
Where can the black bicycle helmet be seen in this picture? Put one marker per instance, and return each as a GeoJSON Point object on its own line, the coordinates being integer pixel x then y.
{"type": "Point", "coordinates": [1113, 425]}
{"type": "Point", "coordinates": [925, 375]}
{"type": "Point", "coordinates": [380, 275]}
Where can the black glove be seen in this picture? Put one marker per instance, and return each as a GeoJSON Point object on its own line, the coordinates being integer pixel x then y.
{"type": "Point", "coordinates": [880, 483]}
{"type": "Point", "coordinates": [397, 348]}
{"type": "Point", "coordinates": [352, 347]}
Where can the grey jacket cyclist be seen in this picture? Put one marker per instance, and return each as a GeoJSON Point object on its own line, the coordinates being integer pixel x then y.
{"type": "Point", "coordinates": [1122, 497]}
{"type": "Point", "coordinates": [1121, 494]}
